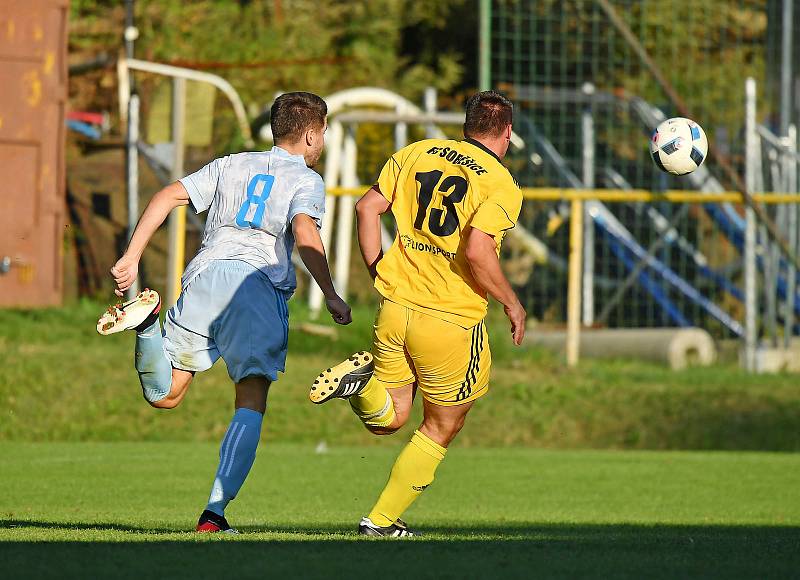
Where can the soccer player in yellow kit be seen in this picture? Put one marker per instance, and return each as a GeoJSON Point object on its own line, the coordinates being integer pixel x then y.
{"type": "Point", "coordinates": [453, 201]}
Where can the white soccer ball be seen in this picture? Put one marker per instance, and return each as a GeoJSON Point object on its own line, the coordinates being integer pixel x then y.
{"type": "Point", "coordinates": [679, 146]}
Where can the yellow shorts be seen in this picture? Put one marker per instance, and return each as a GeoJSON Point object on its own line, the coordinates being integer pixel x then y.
{"type": "Point", "coordinates": [450, 364]}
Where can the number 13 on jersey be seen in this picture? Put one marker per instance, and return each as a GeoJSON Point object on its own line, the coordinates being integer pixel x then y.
{"type": "Point", "coordinates": [255, 200]}
{"type": "Point", "coordinates": [441, 222]}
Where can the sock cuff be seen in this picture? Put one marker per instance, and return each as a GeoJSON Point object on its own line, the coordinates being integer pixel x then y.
{"type": "Point", "coordinates": [383, 420]}
{"type": "Point", "coordinates": [428, 445]}
{"type": "Point", "coordinates": [248, 416]}
{"type": "Point", "coordinates": [151, 330]}
{"type": "Point", "coordinates": [389, 404]}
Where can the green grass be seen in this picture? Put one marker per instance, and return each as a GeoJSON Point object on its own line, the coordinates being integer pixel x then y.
{"type": "Point", "coordinates": [60, 381]}
{"type": "Point", "coordinates": [76, 505]}
{"type": "Point", "coordinates": [123, 510]}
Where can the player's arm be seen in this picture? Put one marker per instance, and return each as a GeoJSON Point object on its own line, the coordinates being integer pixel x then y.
{"type": "Point", "coordinates": [496, 215]}
{"type": "Point", "coordinates": [312, 252]}
{"type": "Point", "coordinates": [368, 213]}
{"type": "Point", "coordinates": [126, 270]}
{"type": "Point", "coordinates": [481, 254]}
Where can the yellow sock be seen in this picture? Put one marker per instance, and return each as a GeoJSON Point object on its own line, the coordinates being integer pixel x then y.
{"type": "Point", "coordinates": [412, 473]}
{"type": "Point", "coordinates": [374, 405]}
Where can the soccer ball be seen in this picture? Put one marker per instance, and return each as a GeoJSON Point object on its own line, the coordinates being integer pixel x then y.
{"type": "Point", "coordinates": [679, 146]}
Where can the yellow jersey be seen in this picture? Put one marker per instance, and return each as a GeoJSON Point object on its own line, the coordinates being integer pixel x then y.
{"type": "Point", "coordinates": [438, 189]}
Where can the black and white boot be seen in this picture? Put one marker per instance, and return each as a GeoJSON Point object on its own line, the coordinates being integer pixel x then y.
{"type": "Point", "coordinates": [346, 379]}
{"type": "Point", "coordinates": [396, 530]}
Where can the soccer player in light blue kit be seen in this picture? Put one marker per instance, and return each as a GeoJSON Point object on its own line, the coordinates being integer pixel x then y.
{"type": "Point", "coordinates": [233, 299]}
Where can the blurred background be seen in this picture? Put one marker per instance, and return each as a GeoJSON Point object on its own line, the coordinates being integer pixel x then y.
{"type": "Point", "coordinates": [105, 102]}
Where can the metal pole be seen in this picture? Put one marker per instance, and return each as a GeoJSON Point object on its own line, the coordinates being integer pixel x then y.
{"type": "Point", "coordinates": [132, 170]}
{"type": "Point", "coordinates": [789, 167]}
{"type": "Point", "coordinates": [587, 124]}
{"type": "Point", "coordinates": [795, 184]}
{"type": "Point", "coordinates": [786, 66]}
{"type": "Point", "coordinates": [131, 135]}
{"type": "Point", "coordinates": [131, 33]}
{"type": "Point", "coordinates": [177, 219]}
{"type": "Point", "coordinates": [750, 289]}
{"type": "Point", "coordinates": [574, 282]}
{"type": "Point", "coordinates": [485, 46]}
{"type": "Point", "coordinates": [790, 179]}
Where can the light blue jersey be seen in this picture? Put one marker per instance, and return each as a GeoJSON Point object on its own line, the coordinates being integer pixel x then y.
{"type": "Point", "coordinates": [233, 298]}
{"type": "Point", "coordinates": [251, 200]}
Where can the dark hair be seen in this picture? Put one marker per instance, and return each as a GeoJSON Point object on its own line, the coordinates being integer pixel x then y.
{"type": "Point", "coordinates": [488, 113]}
{"type": "Point", "coordinates": [292, 114]}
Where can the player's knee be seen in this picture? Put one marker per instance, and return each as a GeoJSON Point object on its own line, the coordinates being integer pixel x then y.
{"type": "Point", "coordinates": [166, 403]}
{"type": "Point", "coordinates": [400, 418]}
{"type": "Point", "coordinates": [172, 400]}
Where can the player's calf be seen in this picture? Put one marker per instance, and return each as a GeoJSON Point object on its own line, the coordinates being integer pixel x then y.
{"type": "Point", "coordinates": [141, 314]}
{"type": "Point", "coordinates": [177, 390]}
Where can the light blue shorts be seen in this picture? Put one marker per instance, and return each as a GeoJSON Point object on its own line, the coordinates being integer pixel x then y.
{"type": "Point", "coordinates": [229, 310]}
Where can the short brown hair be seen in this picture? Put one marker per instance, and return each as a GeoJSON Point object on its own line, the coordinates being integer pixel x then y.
{"type": "Point", "coordinates": [488, 113]}
{"type": "Point", "coordinates": [292, 114]}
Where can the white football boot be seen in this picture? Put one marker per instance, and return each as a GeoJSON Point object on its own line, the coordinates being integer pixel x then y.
{"type": "Point", "coordinates": [131, 314]}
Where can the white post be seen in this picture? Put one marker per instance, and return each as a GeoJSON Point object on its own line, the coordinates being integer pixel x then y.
{"type": "Point", "coordinates": [177, 218]}
{"type": "Point", "coordinates": [333, 157]}
{"type": "Point", "coordinates": [750, 289]}
{"type": "Point", "coordinates": [430, 107]}
{"type": "Point", "coordinates": [344, 226]}
{"type": "Point", "coordinates": [132, 183]}
{"type": "Point", "coordinates": [587, 123]}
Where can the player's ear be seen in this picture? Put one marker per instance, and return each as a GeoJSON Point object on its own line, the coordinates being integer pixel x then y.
{"type": "Point", "coordinates": [508, 133]}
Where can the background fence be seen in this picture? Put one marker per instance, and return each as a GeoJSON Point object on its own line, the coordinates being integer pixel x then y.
{"type": "Point", "coordinates": [591, 79]}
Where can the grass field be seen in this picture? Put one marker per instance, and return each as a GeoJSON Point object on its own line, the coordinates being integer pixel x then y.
{"type": "Point", "coordinates": [123, 510]}
{"type": "Point", "coordinates": [61, 381]}
{"type": "Point", "coordinates": [97, 484]}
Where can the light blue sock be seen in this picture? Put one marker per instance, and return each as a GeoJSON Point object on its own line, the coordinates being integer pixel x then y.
{"type": "Point", "coordinates": [236, 456]}
{"type": "Point", "coordinates": [153, 366]}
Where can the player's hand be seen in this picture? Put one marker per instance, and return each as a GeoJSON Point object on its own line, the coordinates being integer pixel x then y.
{"type": "Point", "coordinates": [339, 310]}
{"type": "Point", "coordinates": [124, 272]}
{"type": "Point", "coordinates": [516, 314]}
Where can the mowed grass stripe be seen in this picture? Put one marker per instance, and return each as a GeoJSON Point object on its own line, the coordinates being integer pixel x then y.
{"type": "Point", "coordinates": [123, 510]}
